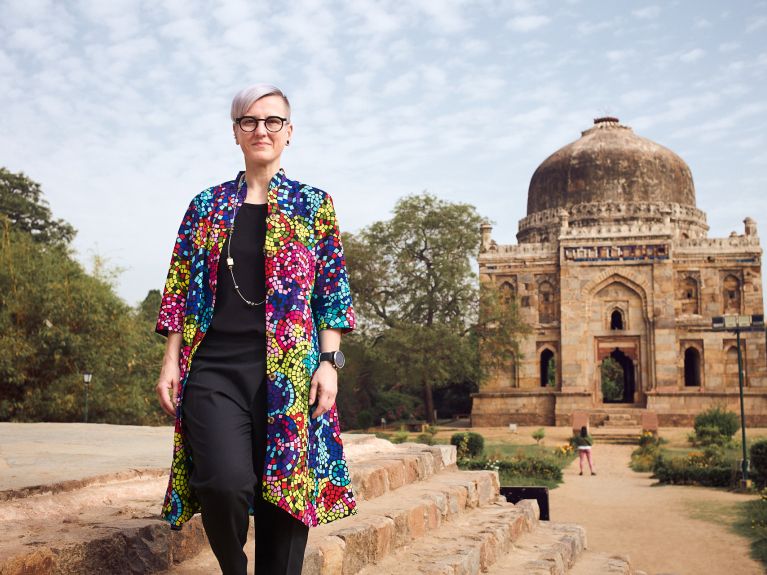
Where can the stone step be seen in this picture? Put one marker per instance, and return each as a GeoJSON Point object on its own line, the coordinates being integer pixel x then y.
{"type": "Point", "coordinates": [379, 472]}
{"type": "Point", "coordinates": [550, 549]}
{"type": "Point", "coordinates": [616, 435]}
{"type": "Point", "coordinates": [382, 525]}
{"type": "Point", "coordinates": [83, 526]}
{"type": "Point", "coordinates": [591, 563]}
{"type": "Point", "coordinates": [468, 545]}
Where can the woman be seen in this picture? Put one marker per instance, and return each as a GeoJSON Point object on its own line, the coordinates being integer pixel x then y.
{"type": "Point", "coordinates": [584, 443]}
{"type": "Point", "coordinates": [254, 314]}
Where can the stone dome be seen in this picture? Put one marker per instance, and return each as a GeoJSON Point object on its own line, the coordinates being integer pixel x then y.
{"type": "Point", "coordinates": [610, 163]}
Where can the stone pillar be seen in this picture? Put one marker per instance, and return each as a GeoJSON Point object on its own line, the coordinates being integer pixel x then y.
{"type": "Point", "coordinates": [486, 231]}
{"type": "Point", "coordinates": [750, 227]}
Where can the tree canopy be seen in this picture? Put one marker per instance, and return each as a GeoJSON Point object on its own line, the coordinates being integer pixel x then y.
{"type": "Point", "coordinates": [23, 204]}
{"type": "Point", "coordinates": [418, 299]}
{"type": "Point", "coordinates": [57, 320]}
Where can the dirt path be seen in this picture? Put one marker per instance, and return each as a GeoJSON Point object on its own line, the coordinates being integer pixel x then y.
{"type": "Point", "coordinates": [658, 527]}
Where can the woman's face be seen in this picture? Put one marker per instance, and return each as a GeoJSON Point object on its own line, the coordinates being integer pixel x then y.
{"type": "Point", "coordinates": [262, 147]}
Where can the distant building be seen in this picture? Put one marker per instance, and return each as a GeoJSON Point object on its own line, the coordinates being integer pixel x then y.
{"type": "Point", "coordinates": [613, 261]}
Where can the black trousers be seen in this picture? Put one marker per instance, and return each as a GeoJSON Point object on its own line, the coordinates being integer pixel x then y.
{"type": "Point", "coordinates": [224, 422]}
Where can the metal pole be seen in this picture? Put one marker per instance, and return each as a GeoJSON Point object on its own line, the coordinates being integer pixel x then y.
{"type": "Point", "coordinates": [86, 403]}
{"type": "Point", "coordinates": [742, 413]}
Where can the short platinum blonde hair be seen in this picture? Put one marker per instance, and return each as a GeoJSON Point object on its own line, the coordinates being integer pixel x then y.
{"type": "Point", "coordinates": [244, 98]}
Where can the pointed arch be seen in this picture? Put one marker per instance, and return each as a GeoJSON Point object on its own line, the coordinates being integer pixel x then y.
{"type": "Point", "coordinates": [607, 277]}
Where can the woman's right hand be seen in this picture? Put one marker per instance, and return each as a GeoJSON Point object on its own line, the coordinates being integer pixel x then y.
{"type": "Point", "coordinates": [167, 388]}
{"type": "Point", "coordinates": [170, 375]}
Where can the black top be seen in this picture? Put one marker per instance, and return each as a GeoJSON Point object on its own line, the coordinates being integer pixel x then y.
{"type": "Point", "coordinates": [231, 315]}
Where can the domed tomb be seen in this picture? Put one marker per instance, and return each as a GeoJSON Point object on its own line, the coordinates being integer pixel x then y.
{"type": "Point", "coordinates": [610, 163]}
{"type": "Point", "coordinates": [630, 178]}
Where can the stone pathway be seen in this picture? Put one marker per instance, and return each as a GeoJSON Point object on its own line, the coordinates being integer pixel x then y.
{"type": "Point", "coordinates": [624, 513]}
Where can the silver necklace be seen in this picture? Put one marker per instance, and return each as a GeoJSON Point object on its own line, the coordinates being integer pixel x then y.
{"type": "Point", "coordinates": [230, 259]}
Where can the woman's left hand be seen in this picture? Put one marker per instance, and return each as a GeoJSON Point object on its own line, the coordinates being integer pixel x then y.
{"type": "Point", "coordinates": [324, 388]}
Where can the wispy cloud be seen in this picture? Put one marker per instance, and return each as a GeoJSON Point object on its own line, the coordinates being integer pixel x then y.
{"type": "Point", "coordinates": [693, 55]}
{"type": "Point", "coordinates": [757, 24]}
{"type": "Point", "coordinates": [528, 23]}
{"type": "Point", "coordinates": [647, 13]}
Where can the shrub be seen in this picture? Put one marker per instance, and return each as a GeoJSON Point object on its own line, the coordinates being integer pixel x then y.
{"type": "Point", "coordinates": [758, 456]}
{"type": "Point", "coordinates": [427, 436]}
{"type": "Point", "coordinates": [539, 434]}
{"type": "Point", "coordinates": [643, 461]}
{"type": "Point", "coordinates": [400, 437]}
{"type": "Point", "coordinates": [474, 443]}
{"type": "Point", "coordinates": [564, 450]}
{"type": "Point", "coordinates": [708, 435]}
{"type": "Point", "coordinates": [649, 439]}
{"type": "Point", "coordinates": [695, 469]}
{"type": "Point", "coordinates": [715, 426]}
{"type": "Point", "coordinates": [364, 419]}
{"type": "Point", "coordinates": [643, 457]}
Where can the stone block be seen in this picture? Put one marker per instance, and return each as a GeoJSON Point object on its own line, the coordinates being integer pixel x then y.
{"type": "Point", "coordinates": [324, 557]}
{"type": "Point", "coordinates": [580, 419]}
{"type": "Point", "coordinates": [370, 480]}
{"type": "Point", "coordinates": [650, 422]}
{"type": "Point", "coordinates": [369, 540]}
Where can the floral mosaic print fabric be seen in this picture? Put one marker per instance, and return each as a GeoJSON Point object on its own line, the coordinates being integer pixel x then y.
{"type": "Point", "coordinates": [305, 471]}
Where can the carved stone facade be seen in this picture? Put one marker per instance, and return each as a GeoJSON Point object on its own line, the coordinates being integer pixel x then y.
{"type": "Point", "coordinates": [632, 277]}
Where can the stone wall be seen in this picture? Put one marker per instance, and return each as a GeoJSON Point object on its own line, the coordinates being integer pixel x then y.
{"type": "Point", "coordinates": [493, 409]}
{"type": "Point", "coordinates": [680, 408]}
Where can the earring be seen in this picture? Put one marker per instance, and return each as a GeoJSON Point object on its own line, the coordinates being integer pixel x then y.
{"type": "Point", "coordinates": [287, 143]}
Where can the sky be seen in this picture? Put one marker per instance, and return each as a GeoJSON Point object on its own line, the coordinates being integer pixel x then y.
{"type": "Point", "coordinates": [120, 109]}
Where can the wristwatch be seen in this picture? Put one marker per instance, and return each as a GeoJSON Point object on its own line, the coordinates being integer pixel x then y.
{"type": "Point", "coordinates": [336, 358]}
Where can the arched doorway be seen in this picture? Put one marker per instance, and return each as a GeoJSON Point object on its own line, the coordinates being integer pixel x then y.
{"type": "Point", "coordinates": [548, 369]}
{"type": "Point", "coordinates": [617, 378]}
{"type": "Point", "coordinates": [691, 367]}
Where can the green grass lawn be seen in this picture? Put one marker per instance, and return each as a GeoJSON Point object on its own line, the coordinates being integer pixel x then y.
{"type": "Point", "coordinates": [748, 519]}
{"type": "Point", "coordinates": [752, 523]}
{"type": "Point", "coordinates": [509, 480]}
{"type": "Point", "coordinates": [510, 449]}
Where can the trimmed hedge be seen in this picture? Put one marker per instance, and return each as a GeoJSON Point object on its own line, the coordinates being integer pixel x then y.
{"type": "Point", "coordinates": [475, 443]}
{"type": "Point", "coordinates": [692, 471]}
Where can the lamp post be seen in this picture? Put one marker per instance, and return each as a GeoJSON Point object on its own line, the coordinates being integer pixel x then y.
{"type": "Point", "coordinates": [737, 324]}
{"type": "Point", "coordinates": [87, 375]}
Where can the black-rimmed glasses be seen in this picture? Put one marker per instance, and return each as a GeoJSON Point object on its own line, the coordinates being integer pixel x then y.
{"type": "Point", "coordinates": [250, 123]}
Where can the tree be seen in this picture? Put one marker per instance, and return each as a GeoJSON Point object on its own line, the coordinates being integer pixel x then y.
{"type": "Point", "coordinates": [612, 379]}
{"type": "Point", "coordinates": [415, 292]}
{"type": "Point", "coordinates": [499, 330]}
{"type": "Point", "coordinates": [23, 204]}
{"type": "Point", "coordinates": [56, 321]}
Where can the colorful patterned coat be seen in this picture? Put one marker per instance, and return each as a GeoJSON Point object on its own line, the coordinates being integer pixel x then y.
{"type": "Point", "coordinates": [305, 470]}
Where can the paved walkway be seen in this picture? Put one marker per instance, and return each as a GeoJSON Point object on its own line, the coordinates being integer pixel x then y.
{"type": "Point", "coordinates": [656, 526]}
{"type": "Point", "coordinates": [45, 453]}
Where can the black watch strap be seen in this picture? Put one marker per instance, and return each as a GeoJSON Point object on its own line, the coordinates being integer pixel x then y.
{"type": "Point", "coordinates": [336, 358]}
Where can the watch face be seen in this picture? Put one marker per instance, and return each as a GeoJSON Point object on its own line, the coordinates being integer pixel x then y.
{"type": "Point", "coordinates": [339, 359]}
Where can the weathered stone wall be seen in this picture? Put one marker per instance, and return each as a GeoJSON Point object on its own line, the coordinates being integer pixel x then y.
{"type": "Point", "coordinates": [680, 408]}
{"type": "Point", "coordinates": [491, 409]}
